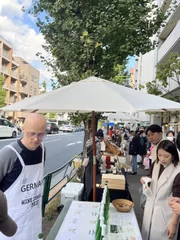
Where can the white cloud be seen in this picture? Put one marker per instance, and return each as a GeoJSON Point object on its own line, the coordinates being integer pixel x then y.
{"type": "Point", "coordinates": [16, 28]}
{"type": "Point", "coordinates": [11, 9]}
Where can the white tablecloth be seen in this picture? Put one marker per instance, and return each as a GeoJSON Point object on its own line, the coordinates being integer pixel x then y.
{"type": "Point", "coordinates": [81, 218]}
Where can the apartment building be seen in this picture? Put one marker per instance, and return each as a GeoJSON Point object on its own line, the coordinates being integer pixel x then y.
{"type": "Point", "coordinates": [169, 42]}
{"type": "Point", "coordinates": [21, 80]}
{"type": "Point", "coordinates": [131, 81]}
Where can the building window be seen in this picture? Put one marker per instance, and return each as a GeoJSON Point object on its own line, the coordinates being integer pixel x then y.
{"type": "Point", "coordinates": [30, 89]}
{"type": "Point", "coordinates": [34, 79]}
{"type": "Point", "coordinates": [34, 91]}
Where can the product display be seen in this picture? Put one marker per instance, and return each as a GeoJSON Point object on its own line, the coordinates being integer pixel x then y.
{"type": "Point", "coordinates": [102, 221]}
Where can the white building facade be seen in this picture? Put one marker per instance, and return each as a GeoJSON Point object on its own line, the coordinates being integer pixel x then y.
{"type": "Point", "coordinates": [169, 42]}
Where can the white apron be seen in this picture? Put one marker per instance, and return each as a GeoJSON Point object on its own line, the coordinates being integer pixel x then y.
{"type": "Point", "coordinates": [24, 200]}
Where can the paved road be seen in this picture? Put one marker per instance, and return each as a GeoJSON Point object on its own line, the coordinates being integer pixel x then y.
{"type": "Point", "coordinates": [60, 148]}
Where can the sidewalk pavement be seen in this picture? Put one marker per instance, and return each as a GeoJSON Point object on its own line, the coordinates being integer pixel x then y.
{"type": "Point", "coordinates": [134, 185]}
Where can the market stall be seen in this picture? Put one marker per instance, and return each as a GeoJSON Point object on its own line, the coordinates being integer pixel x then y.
{"type": "Point", "coordinates": [113, 170]}
{"type": "Point", "coordinates": [79, 219]}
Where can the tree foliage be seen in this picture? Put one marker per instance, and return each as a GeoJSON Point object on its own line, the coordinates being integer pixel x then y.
{"type": "Point", "coordinates": [2, 92]}
{"type": "Point", "coordinates": [169, 69]}
{"type": "Point", "coordinates": [95, 37]}
{"type": "Point", "coordinates": [92, 37]}
{"type": "Point", "coordinates": [166, 71]}
{"type": "Point", "coordinates": [120, 73]}
{"type": "Point", "coordinates": [154, 88]}
{"type": "Point", "coordinates": [44, 87]}
{"type": "Point", "coordinates": [52, 115]}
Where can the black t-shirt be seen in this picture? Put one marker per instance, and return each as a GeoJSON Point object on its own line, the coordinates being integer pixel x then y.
{"type": "Point", "coordinates": [10, 165]}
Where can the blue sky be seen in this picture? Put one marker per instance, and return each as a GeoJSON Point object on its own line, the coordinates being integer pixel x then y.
{"type": "Point", "coordinates": [131, 63]}
{"type": "Point", "coordinates": [19, 28]}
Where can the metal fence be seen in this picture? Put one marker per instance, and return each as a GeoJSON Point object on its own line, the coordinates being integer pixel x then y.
{"type": "Point", "coordinates": [56, 180]}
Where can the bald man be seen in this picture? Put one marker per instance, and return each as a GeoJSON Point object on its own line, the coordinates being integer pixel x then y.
{"type": "Point", "coordinates": [21, 175]}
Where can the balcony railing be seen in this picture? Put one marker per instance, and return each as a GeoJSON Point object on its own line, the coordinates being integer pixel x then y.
{"type": "Point", "coordinates": [12, 87]}
{"type": "Point", "coordinates": [5, 70]}
{"type": "Point", "coordinates": [171, 21]}
{"type": "Point", "coordinates": [23, 78]}
{"type": "Point", "coordinates": [6, 54]}
{"type": "Point", "coordinates": [23, 90]}
{"type": "Point", "coordinates": [14, 74]}
{"type": "Point", "coordinates": [171, 44]}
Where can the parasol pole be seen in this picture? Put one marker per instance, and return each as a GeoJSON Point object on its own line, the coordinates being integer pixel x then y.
{"type": "Point", "coordinates": [94, 156]}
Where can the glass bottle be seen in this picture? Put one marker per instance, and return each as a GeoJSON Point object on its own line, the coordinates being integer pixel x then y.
{"type": "Point", "coordinates": [40, 236]}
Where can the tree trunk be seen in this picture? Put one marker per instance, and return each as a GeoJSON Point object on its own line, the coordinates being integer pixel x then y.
{"type": "Point", "coordinates": [87, 134]}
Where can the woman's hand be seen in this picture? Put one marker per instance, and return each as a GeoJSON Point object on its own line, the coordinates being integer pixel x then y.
{"type": "Point", "coordinates": [175, 206]}
{"type": "Point", "coordinates": [141, 180]}
{"type": "Point", "coordinates": [171, 230]}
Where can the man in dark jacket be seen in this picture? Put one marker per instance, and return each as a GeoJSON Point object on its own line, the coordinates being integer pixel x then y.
{"type": "Point", "coordinates": [134, 151]}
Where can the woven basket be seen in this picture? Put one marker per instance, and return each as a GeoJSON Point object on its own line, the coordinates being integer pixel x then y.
{"type": "Point", "coordinates": [112, 148]}
{"type": "Point", "coordinates": [123, 205]}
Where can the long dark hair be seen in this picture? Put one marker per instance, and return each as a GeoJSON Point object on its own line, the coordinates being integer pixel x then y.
{"type": "Point", "coordinates": [169, 147]}
{"type": "Point", "coordinates": [178, 141]}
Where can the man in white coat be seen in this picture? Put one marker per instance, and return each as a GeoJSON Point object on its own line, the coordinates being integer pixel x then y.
{"type": "Point", "coordinates": [21, 176]}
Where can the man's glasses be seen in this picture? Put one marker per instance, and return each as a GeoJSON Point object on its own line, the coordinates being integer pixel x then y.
{"type": "Point", "coordinates": [38, 135]}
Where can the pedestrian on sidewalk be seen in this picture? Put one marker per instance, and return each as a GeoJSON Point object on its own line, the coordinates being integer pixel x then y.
{"type": "Point", "coordinates": [170, 135]}
{"type": "Point", "coordinates": [143, 143]}
{"type": "Point", "coordinates": [159, 222]}
{"type": "Point", "coordinates": [134, 150]}
{"type": "Point", "coordinates": [154, 134]}
{"type": "Point", "coordinates": [21, 176]}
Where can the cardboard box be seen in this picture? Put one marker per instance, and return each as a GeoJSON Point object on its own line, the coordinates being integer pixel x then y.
{"type": "Point", "coordinates": [114, 181]}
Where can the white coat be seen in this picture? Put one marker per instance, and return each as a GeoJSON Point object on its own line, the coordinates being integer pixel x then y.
{"type": "Point", "coordinates": [157, 213]}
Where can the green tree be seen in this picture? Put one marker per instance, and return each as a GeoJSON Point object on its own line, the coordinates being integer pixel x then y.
{"type": "Point", "coordinates": [44, 86]}
{"type": "Point", "coordinates": [2, 92]}
{"type": "Point", "coordinates": [52, 115]}
{"type": "Point", "coordinates": [92, 37]}
{"type": "Point", "coordinates": [120, 73]}
{"type": "Point", "coordinates": [169, 69]}
{"type": "Point", "coordinates": [153, 88]}
{"type": "Point", "coordinates": [85, 38]}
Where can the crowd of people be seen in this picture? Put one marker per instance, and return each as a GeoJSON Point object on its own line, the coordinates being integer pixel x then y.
{"type": "Point", "coordinates": [161, 156]}
{"type": "Point", "coordinates": [146, 146]}
{"type": "Point", "coordinates": [21, 175]}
